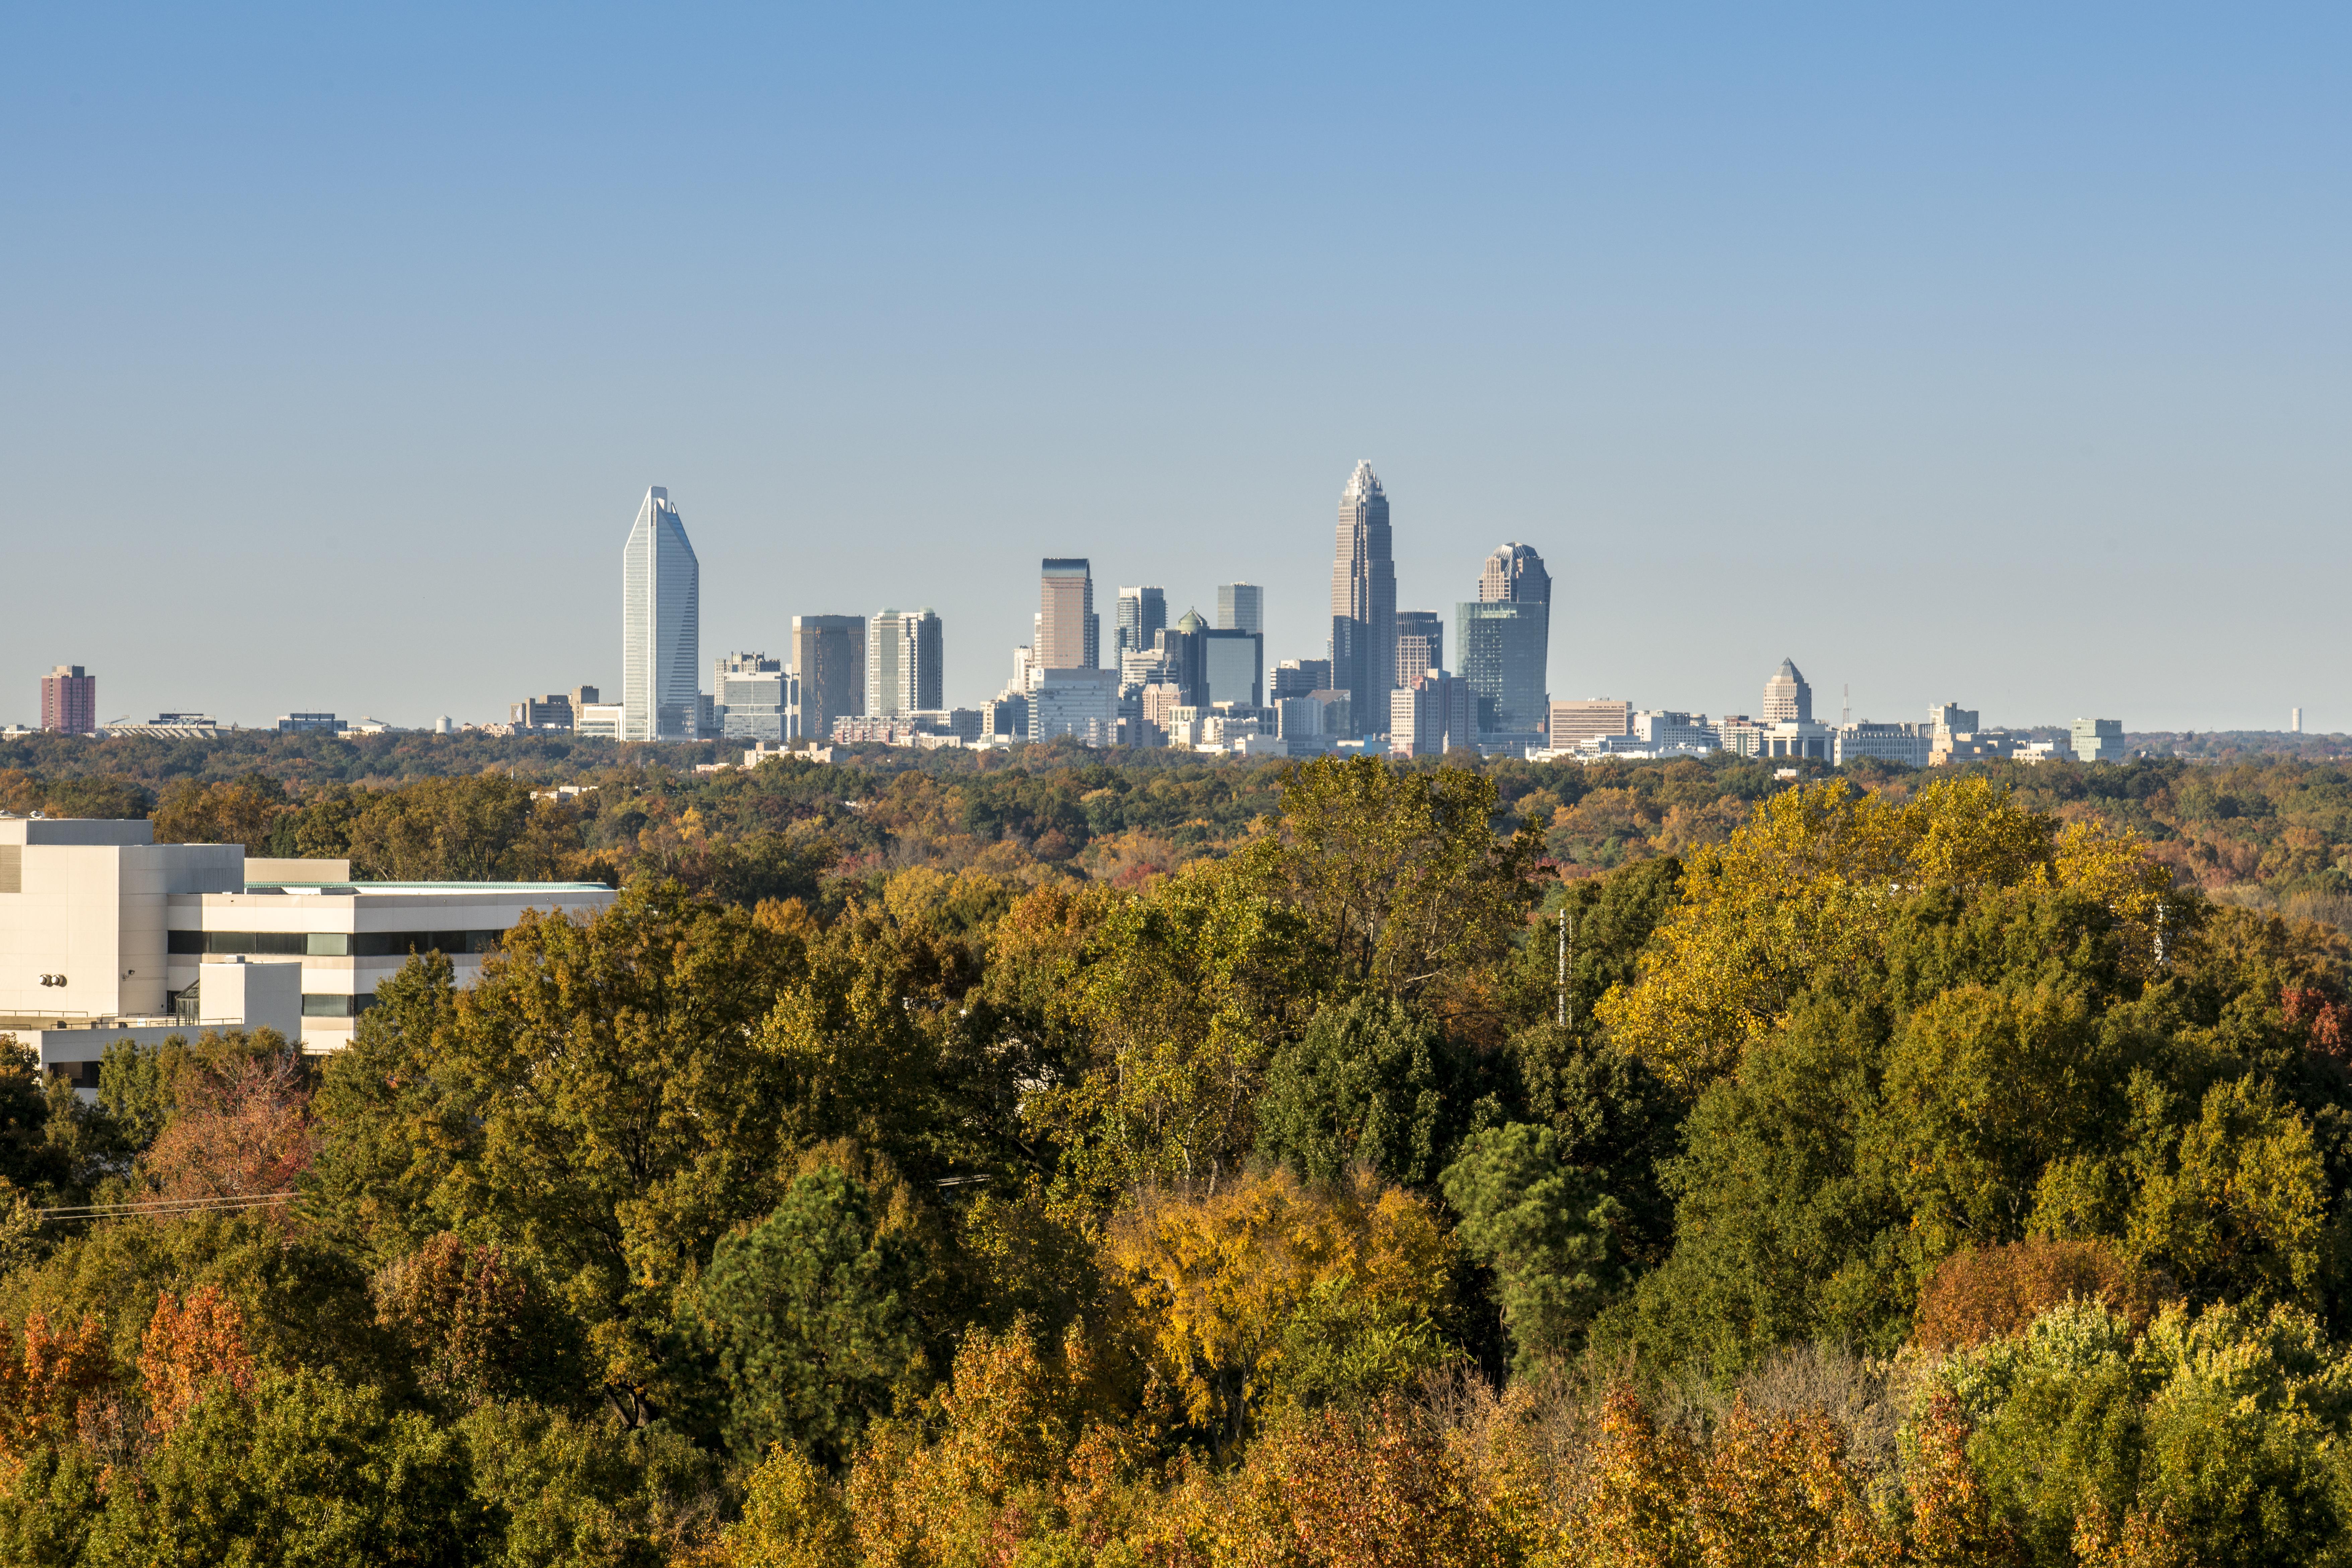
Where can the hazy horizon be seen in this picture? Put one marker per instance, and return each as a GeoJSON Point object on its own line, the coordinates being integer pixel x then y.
{"type": "Point", "coordinates": [1995, 358]}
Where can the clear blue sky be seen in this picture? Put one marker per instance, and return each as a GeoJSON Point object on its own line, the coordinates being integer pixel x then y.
{"type": "Point", "coordinates": [2000, 354]}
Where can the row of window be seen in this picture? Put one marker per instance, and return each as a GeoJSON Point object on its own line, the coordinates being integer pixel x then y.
{"type": "Point", "coordinates": [334, 943]}
{"type": "Point", "coordinates": [330, 1006]}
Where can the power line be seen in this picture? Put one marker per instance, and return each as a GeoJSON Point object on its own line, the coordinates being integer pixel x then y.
{"type": "Point", "coordinates": [166, 1206]}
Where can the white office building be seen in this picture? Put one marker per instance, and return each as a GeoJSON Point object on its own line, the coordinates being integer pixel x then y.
{"type": "Point", "coordinates": [2102, 740]}
{"type": "Point", "coordinates": [1080, 702]}
{"type": "Point", "coordinates": [107, 935]}
{"type": "Point", "coordinates": [661, 640]}
{"type": "Point", "coordinates": [1911, 744]}
{"type": "Point", "coordinates": [755, 698]}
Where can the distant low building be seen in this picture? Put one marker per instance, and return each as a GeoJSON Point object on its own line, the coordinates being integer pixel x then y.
{"type": "Point", "coordinates": [1800, 738]}
{"type": "Point", "coordinates": [1576, 722]}
{"type": "Point", "coordinates": [1081, 702]}
{"type": "Point", "coordinates": [1972, 746]}
{"type": "Point", "coordinates": [1910, 744]}
{"type": "Point", "coordinates": [168, 727]}
{"type": "Point", "coordinates": [2102, 740]}
{"type": "Point", "coordinates": [599, 720]}
{"type": "Point", "coordinates": [310, 723]}
{"type": "Point", "coordinates": [1662, 727]}
{"type": "Point", "coordinates": [755, 698]}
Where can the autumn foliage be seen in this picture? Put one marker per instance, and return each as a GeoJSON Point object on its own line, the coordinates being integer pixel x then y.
{"type": "Point", "coordinates": [193, 1348]}
{"type": "Point", "coordinates": [242, 1127]}
{"type": "Point", "coordinates": [1975, 1296]}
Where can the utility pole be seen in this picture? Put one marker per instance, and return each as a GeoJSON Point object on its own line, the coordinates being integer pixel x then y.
{"type": "Point", "coordinates": [1564, 945]}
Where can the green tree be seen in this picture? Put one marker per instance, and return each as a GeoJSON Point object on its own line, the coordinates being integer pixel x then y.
{"type": "Point", "coordinates": [1173, 1000]}
{"type": "Point", "coordinates": [1399, 871]}
{"type": "Point", "coordinates": [1369, 1082]}
{"type": "Point", "coordinates": [309, 1470]}
{"type": "Point", "coordinates": [1542, 1225]}
{"type": "Point", "coordinates": [442, 830]}
{"type": "Point", "coordinates": [240, 810]}
{"type": "Point", "coordinates": [810, 1315]}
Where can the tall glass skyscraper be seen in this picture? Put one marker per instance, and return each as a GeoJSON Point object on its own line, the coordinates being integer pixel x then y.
{"type": "Point", "coordinates": [1363, 601]}
{"type": "Point", "coordinates": [1503, 643]}
{"type": "Point", "coordinates": [903, 663]}
{"type": "Point", "coordinates": [1240, 607]}
{"type": "Point", "coordinates": [661, 634]}
{"type": "Point", "coordinates": [1143, 617]}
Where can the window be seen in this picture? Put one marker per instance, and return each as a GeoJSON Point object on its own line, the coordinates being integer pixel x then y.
{"type": "Point", "coordinates": [327, 1007]}
{"type": "Point", "coordinates": [331, 943]}
{"type": "Point", "coordinates": [401, 943]}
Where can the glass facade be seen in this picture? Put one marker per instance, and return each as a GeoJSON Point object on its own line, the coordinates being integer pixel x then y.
{"type": "Point", "coordinates": [331, 943]}
{"type": "Point", "coordinates": [1232, 665]}
{"type": "Point", "coordinates": [1501, 649]}
{"type": "Point", "coordinates": [661, 607]}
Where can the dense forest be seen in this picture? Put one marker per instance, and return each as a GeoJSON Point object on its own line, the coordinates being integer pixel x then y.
{"type": "Point", "coordinates": [1039, 1162]}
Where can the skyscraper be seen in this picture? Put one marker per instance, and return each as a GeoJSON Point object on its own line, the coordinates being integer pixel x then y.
{"type": "Point", "coordinates": [1499, 647]}
{"type": "Point", "coordinates": [1363, 599]}
{"type": "Point", "coordinates": [1185, 644]}
{"type": "Point", "coordinates": [886, 682]}
{"type": "Point", "coordinates": [1233, 665]}
{"type": "Point", "coordinates": [1420, 645]}
{"type": "Point", "coordinates": [1068, 631]}
{"type": "Point", "coordinates": [1502, 644]}
{"type": "Point", "coordinates": [829, 656]}
{"type": "Point", "coordinates": [1143, 617]}
{"type": "Point", "coordinates": [903, 663]}
{"type": "Point", "coordinates": [1786, 697]}
{"type": "Point", "coordinates": [661, 642]}
{"type": "Point", "coordinates": [69, 700]}
{"type": "Point", "coordinates": [1240, 607]}
{"type": "Point", "coordinates": [1515, 575]}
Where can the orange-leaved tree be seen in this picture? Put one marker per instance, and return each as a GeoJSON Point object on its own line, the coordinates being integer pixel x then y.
{"type": "Point", "coordinates": [191, 1349]}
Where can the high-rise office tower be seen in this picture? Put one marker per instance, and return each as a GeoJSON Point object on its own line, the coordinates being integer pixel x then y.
{"type": "Point", "coordinates": [1233, 665]}
{"type": "Point", "coordinates": [1787, 696]}
{"type": "Point", "coordinates": [1068, 631]}
{"type": "Point", "coordinates": [904, 672]}
{"type": "Point", "coordinates": [1240, 607]}
{"type": "Point", "coordinates": [1363, 599]}
{"type": "Point", "coordinates": [926, 665]}
{"type": "Point", "coordinates": [661, 641]}
{"type": "Point", "coordinates": [1298, 677]}
{"type": "Point", "coordinates": [69, 700]}
{"type": "Point", "coordinates": [1515, 575]}
{"type": "Point", "coordinates": [829, 656]}
{"type": "Point", "coordinates": [1501, 645]}
{"type": "Point", "coordinates": [1185, 644]}
{"type": "Point", "coordinates": [1420, 645]}
{"type": "Point", "coordinates": [1143, 617]}
{"type": "Point", "coordinates": [1498, 646]}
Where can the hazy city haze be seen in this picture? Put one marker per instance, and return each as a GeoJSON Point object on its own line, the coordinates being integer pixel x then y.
{"type": "Point", "coordinates": [2000, 356]}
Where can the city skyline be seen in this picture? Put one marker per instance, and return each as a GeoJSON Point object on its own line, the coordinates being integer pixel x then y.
{"type": "Point", "coordinates": [1942, 320]}
{"type": "Point", "coordinates": [660, 613]}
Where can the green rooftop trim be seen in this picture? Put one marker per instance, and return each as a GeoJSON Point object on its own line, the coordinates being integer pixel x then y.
{"type": "Point", "coordinates": [357, 886]}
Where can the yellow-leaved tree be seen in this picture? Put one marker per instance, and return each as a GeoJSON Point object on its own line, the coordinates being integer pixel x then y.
{"type": "Point", "coordinates": [1215, 1284]}
{"type": "Point", "coordinates": [1809, 887]}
